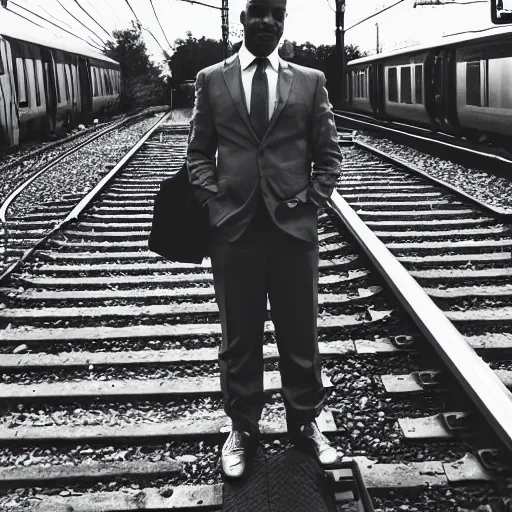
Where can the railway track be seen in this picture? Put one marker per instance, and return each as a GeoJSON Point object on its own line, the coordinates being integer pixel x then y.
{"type": "Point", "coordinates": [27, 214]}
{"type": "Point", "coordinates": [110, 393]}
{"type": "Point", "coordinates": [495, 158]}
{"type": "Point", "coordinates": [458, 249]}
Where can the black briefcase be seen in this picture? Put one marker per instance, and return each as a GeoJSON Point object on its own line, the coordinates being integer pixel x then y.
{"type": "Point", "coordinates": [180, 229]}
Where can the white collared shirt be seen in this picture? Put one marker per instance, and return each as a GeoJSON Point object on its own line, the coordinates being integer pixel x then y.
{"type": "Point", "coordinates": [248, 70]}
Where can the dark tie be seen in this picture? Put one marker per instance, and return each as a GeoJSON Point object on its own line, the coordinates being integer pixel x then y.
{"type": "Point", "coordinates": [259, 98]}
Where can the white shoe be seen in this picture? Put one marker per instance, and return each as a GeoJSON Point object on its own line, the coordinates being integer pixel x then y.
{"type": "Point", "coordinates": [233, 454]}
{"type": "Point", "coordinates": [310, 435]}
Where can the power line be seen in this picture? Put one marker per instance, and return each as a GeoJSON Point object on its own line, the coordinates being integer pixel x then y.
{"type": "Point", "coordinates": [201, 3]}
{"type": "Point", "coordinates": [54, 24]}
{"type": "Point", "coordinates": [438, 2]}
{"type": "Point", "coordinates": [375, 14]}
{"type": "Point", "coordinates": [83, 25]}
{"type": "Point", "coordinates": [49, 14]}
{"type": "Point", "coordinates": [54, 17]}
{"type": "Point", "coordinates": [146, 29]}
{"type": "Point", "coordinates": [471, 31]}
{"type": "Point", "coordinates": [21, 16]}
{"type": "Point", "coordinates": [156, 16]}
{"type": "Point", "coordinates": [136, 17]}
{"type": "Point", "coordinates": [77, 3]}
{"type": "Point", "coordinates": [329, 4]}
{"type": "Point", "coordinates": [151, 33]}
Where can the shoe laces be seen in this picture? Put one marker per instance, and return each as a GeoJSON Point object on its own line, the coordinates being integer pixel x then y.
{"type": "Point", "coordinates": [234, 442]}
{"type": "Point", "coordinates": [317, 435]}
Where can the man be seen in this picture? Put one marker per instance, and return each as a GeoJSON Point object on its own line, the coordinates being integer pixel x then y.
{"type": "Point", "coordinates": [258, 125]}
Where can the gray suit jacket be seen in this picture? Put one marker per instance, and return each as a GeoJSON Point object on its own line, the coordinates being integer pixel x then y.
{"type": "Point", "coordinates": [299, 156]}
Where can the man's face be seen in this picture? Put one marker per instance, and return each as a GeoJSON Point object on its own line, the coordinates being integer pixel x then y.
{"type": "Point", "coordinates": [263, 22]}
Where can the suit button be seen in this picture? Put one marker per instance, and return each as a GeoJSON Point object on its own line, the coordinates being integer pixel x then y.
{"type": "Point", "coordinates": [292, 203]}
{"type": "Point", "coordinates": [260, 152]}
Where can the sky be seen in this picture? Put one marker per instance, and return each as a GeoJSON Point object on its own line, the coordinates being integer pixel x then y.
{"type": "Point", "coordinates": [308, 20]}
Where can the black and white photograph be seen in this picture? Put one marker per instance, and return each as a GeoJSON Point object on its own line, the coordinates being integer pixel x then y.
{"type": "Point", "coordinates": [256, 255]}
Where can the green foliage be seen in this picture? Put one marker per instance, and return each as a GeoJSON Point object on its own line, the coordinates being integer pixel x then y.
{"type": "Point", "coordinates": [142, 84]}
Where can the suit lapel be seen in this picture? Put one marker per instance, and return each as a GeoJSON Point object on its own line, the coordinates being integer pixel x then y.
{"type": "Point", "coordinates": [284, 87]}
{"type": "Point", "coordinates": [233, 80]}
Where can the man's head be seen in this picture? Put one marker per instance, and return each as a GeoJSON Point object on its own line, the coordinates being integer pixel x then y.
{"type": "Point", "coordinates": [263, 22]}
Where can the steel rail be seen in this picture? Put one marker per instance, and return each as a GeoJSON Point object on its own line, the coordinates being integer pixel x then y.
{"type": "Point", "coordinates": [15, 193]}
{"type": "Point", "coordinates": [475, 152]}
{"type": "Point", "coordinates": [484, 388]}
{"type": "Point", "coordinates": [494, 210]}
{"type": "Point", "coordinates": [85, 201]}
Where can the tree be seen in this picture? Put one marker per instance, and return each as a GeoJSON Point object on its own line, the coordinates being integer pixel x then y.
{"type": "Point", "coordinates": [143, 84]}
{"type": "Point", "coordinates": [191, 55]}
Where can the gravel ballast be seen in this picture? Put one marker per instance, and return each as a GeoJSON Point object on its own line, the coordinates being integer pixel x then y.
{"type": "Point", "coordinates": [80, 172]}
{"type": "Point", "coordinates": [483, 185]}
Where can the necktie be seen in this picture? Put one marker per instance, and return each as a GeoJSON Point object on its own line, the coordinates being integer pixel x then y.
{"type": "Point", "coordinates": [259, 98]}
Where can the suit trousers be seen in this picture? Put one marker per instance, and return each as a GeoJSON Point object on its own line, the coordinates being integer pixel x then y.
{"type": "Point", "coordinates": [266, 261]}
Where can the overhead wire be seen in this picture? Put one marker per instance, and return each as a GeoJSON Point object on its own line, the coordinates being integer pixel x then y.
{"type": "Point", "coordinates": [471, 31]}
{"type": "Point", "coordinates": [329, 4]}
{"type": "Point", "coordinates": [451, 3]}
{"type": "Point", "coordinates": [156, 16]}
{"type": "Point", "coordinates": [136, 17]}
{"type": "Point", "coordinates": [106, 32]}
{"type": "Point", "coordinates": [49, 14]}
{"type": "Point", "coordinates": [55, 17]}
{"type": "Point", "coordinates": [83, 25]}
{"type": "Point", "coordinates": [202, 3]}
{"type": "Point", "coordinates": [375, 14]}
{"type": "Point", "coordinates": [25, 18]}
{"type": "Point", "coordinates": [52, 23]}
{"type": "Point", "coordinates": [146, 29]}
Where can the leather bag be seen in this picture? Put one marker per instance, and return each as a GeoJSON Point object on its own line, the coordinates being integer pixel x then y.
{"type": "Point", "coordinates": [180, 230]}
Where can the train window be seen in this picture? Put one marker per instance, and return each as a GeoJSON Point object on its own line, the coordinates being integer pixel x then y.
{"type": "Point", "coordinates": [359, 84]}
{"type": "Point", "coordinates": [21, 82]}
{"type": "Point", "coordinates": [392, 85]}
{"type": "Point", "coordinates": [57, 81]}
{"type": "Point", "coordinates": [36, 81]}
{"type": "Point", "coordinates": [101, 84]}
{"type": "Point", "coordinates": [94, 83]}
{"type": "Point", "coordinates": [107, 81]}
{"type": "Point", "coordinates": [66, 82]}
{"type": "Point", "coordinates": [418, 83]}
{"type": "Point", "coordinates": [473, 84]}
{"type": "Point", "coordinates": [405, 85]}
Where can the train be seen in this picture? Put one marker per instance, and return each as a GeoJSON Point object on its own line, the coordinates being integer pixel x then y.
{"type": "Point", "coordinates": [459, 85]}
{"type": "Point", "coordinates": [48, 84]}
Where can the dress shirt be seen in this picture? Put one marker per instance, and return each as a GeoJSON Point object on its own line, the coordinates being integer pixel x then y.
{"type": "Point", "coordinates": [248, 68]}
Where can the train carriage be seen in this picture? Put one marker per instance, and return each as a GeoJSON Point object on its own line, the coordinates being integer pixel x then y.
{"type": "Point", "coordinates": [460, 85]}
{"type": "Point", "coordinates": [47, 83]}
{"type": "Point", "coordinates": [484, 91]}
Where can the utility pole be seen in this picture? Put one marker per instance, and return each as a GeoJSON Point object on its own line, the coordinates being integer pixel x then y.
{"type": "Point", "coordinates": [378, 46]}
{"type": "Point", "coordinates": [225, 28]}
{"type": "Point", "coordinates": [340, 44]}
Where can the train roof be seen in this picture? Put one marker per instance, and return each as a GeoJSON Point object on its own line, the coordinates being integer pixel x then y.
{"type": "Point", "coordinates": [439, 42]}
{"type": "Point", "coordinates": [15, 27]}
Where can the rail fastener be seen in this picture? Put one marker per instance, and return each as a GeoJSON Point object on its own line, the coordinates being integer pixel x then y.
{"type": "Point", "coordinates": [484, 388]}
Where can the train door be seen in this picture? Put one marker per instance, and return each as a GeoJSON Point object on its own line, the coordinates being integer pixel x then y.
{"type": "Point", "coordinates": [85, 86]}
{"type": "Point", "coordinates": [440, 86]}
{"type": "Point", "coordinates": [379, 89]}
{"type": "Point", "coordinates": [50, 92]}
{"type": "Point", "coordinates": [9, 121]}
{"type": "Point", "coordinates": [450, 93]}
